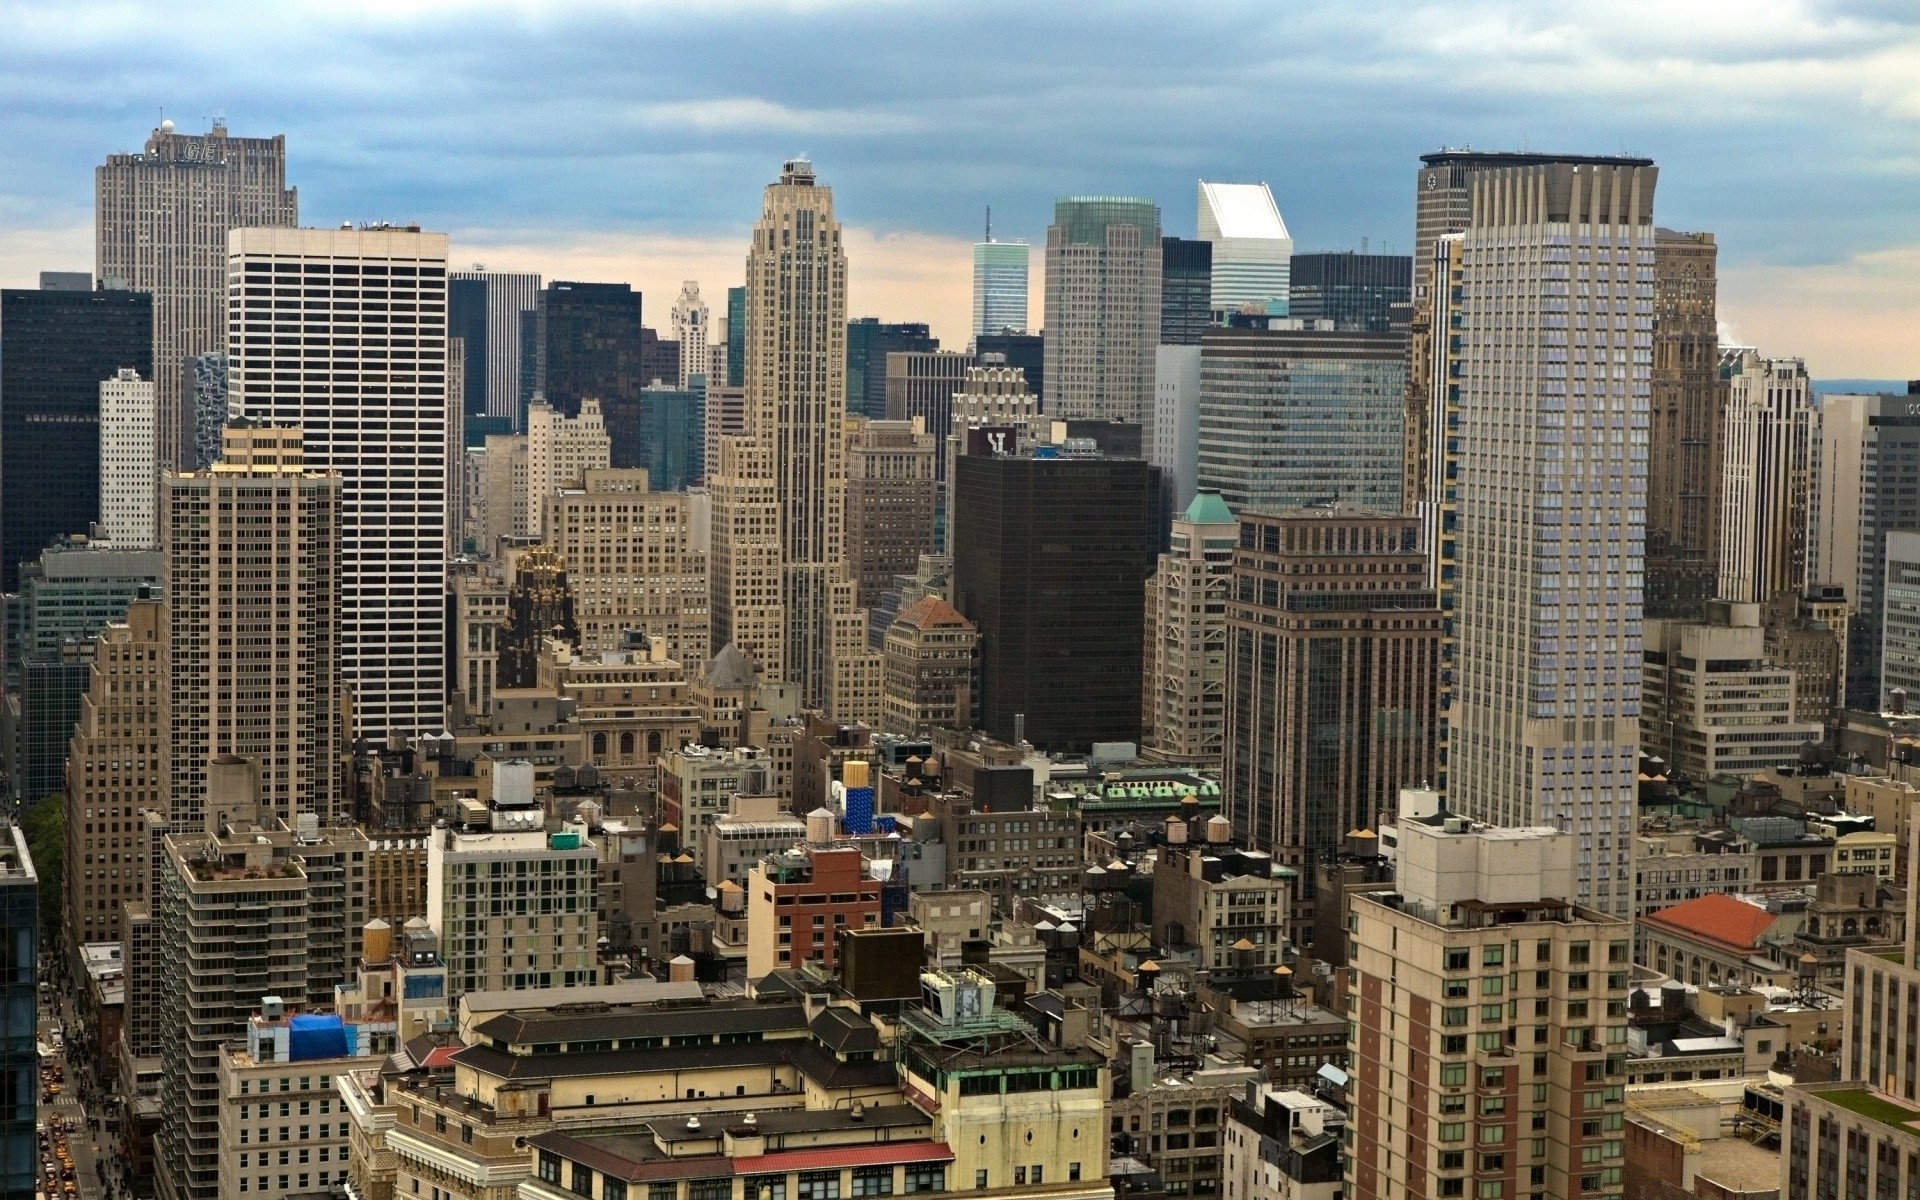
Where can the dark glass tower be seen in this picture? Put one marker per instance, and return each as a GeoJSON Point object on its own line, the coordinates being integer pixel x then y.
{"type": "Point", "coordinates": [1354, 291]}
{"type": "Point", "coordinates": [736, 337]}
{"type": "Point", "coordinates": [664, 431]}
{"type": "Point", "coordinates": [467, 320]}
{"type": "Point", "coordinates": [593, 344]}
{"type": "Point", "coordinates": [19, 980]}
{"type": "Point", "coordinates": [1186, 290]}
{"type": "Point", "coordinates": [55, 349]}
{"type": "Point", "coordinates": [869, 341]}
{"type": "Point", "coordinates": [1050, 558]}
{"type": "Point", "coordinates": [1028, 351]}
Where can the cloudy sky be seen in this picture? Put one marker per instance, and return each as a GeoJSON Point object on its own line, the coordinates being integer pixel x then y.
{"type": "Point", "coordinates": [628, 139]}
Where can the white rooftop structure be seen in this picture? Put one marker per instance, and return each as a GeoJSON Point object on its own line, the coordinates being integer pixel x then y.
{"type": "Point", "coordinates": [1252, 250]}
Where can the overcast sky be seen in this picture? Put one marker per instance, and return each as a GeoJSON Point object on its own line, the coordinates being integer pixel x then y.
{"type": "Point", "coordinates": [629, 141]}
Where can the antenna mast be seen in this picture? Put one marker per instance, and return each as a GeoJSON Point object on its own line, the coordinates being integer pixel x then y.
{"type": "Point", "coordinates": [989, 222]}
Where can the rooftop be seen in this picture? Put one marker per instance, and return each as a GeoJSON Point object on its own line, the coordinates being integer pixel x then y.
{"type": "Point", "coordinates": [1862, 1100]}
{"type": "Point", "coordinates": [1718, 918]}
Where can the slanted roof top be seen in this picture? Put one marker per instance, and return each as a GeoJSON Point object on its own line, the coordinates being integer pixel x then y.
{"type": "Point", "coordinates": [930, 612]}
{"type": "Point", "coordinates": [1732, 923]}
{"type": "Point", "coordinates": [1239, 210]}
{"type": "Point", "coordinates": [730, 669]}
{"type": "Point", "coordinates": [1209, 509]}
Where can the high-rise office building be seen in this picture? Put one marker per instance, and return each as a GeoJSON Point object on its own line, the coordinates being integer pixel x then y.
{"type": "Point", "coordinates": [129, 473]}
{"type": "Point", "coordinates": [498, 306]}
{"type": "Point", "coordinates": [591, 344]}
{"type": "Point", "coordinates": [560, 452]}
{"type": "Point", "coordinates": [247, 908]}
{"type": "Point", "coordinates": [779, 495]}
{"type": "Point", "coordinates": [1332, 653]}
{"type": "Point", "coordinates": [1684, 443]}
{"type": "Point", "coordinates": [1866, 449]}
{"type": "Point", "coordinates": [1050, 556]}
{"type": "Point", "coordinates": [1549, 511]}
{"type": "Point", "coordinates": [659, 359]}
{"type": "Point", "coordinates": [1252, 250]}
{"type": "Point", "coordinates": [1025, 351]}
{"type": "Point", "coordinates": [1183, 702]}
{"type": "Point", "coordinates": [665, 433]}
{"type": "Point", "coordinates": [1186, 290]}
{"type": "Point", "coordinates": [1715, 705]}
{"type": "Point", "coordinates": [116, 767]}
{"type": "Point", "coordinates": [161, 219]}
{"type": "Point", "coordinates": [374, 408]}
{"type": "Point", "coordinates": [632, 563]}
{"type": "Point", "coordinates": [869, 343]}
{"type": "Point", "coordinates": [1900, 618]}
{"type": "Point", "coordinates": [56, 348]}
{"type": "Point", "coordinates": [999, 286]}
{"type": "Point", "coordinates": [253, 587]}
{"type": "Point", "coordinates": [930, 649]}
{"type": "Point", "coordinates": [1294, 417]}
{"type": "Point", "coordinates": [1766, 476]}
{"type": "Point", "coordinates": [921, 384]}
{"type": "Point", "coordinates": [1345, 290]}
{"type": "Point", "coordinates": [890, 501]}
{"type": "Point", "coordinates": [737, 337]}
{"type": "Point", "coordinates": [204, 399]}
{"type": "Point", "coordinates": [19, 1051]}
{"type": "Point", "coordinates": [1176, 419]}
{"type": "Point", "coordinates": [690, 329]}
{"type": "Point", "coordinates": [992, 396]}
{"type": "Point", "coordinates": [1103, 308]}
{"type": "Point", "coordinates": [1474, 909]}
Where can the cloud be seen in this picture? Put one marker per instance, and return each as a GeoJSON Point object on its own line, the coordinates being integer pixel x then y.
{"type": "Point", "coordinates": [1850, 319]}
{"type": "Point", "coordinates": [1785, 126]}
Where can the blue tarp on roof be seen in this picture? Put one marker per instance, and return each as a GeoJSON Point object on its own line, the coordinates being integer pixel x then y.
{"type": "Point", "coordinates": [316, 1035]}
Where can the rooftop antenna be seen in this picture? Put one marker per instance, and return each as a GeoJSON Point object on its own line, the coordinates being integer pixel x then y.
{"type": "Point", "coordinates": [989, 222]}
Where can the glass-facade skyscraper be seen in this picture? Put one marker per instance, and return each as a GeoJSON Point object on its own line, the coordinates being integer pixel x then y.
{"type": "Point", "coordinates": [999, 286]}
{"type": "Point", "coordinates": [56, 347]}
{"type": "Point", "coordinates": [1186, 290]}
{"type": "Point", "coordinates": [869, 341]}
{"type": "Point", "coordinates": [594, 345]}
{"type": "Point", "coordinates": [1103, 308]}
{"type": "Point", "coordinates": [1351, 291]}
{"type": "Point", "coordinates": [1252, 250]}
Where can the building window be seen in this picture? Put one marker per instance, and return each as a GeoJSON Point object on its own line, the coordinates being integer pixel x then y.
{"type": "Point", "coordinates": [926, 1178]}
{"type": "Point", "coordinates": [549, 1168]}
{"type": "Point", "coordinates": [873, 1181]}
{"type": "Point", "coordinates": [710, 1189]}
{"type": "Point", "coordinates": [819, 1185]}
{"type": "Point", "coordinates": [980, 1179]}
{"type": "Point", "coordinates": [582, 1180]}
{"type": "Point", "coordinates": [766, 1187]}
{"type": "Point", "coordinates": [612, 1189]}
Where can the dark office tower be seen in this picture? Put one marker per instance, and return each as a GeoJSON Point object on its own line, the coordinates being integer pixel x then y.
{"type": "Point", "coordinates": [1352, 291]}
{"type": "Point", "coordinates": [659, 359]}
{"type": "Point", "coordinates": [1051, 558]}
{"type": "Point", "coordinates": [1028, 351]}
{"type": "Point", "coordinates": [736, 336]}
{"type": "Point", "coordinates": [673, 437]}
{"type": "Point", "coordinates": [921, 384]}
{"type": "Point", "coordinates": [1688, 427]}
{"type": "Point", "coordinates": [539, 606]}
{"type": "Point", "coordinates": [869, 341]}
{"type": "Point", "coordinates": [532, 351]}
{"type": "Point", "coordinates": [1330, 694]}
{"type": "Point", "coordinates": [467, 320]}
{"type": "Point", "coordinates": [19, 1055]}
{"type": "Point", "coordinates": [593, 344]}
{"type": "Point", "coordinates": [55, 349]}
{"type": "Point", "coordinates": [1186, 290]}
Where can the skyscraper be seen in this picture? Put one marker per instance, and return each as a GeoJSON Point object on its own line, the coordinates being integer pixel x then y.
{"type": "Point", "coordinates": [1186, 290]}
{"type": "Point", "coordinates": [890, 501]}
{"type": "Point", "coordinates": [1025, 351]}
{"type": "Point", "coordinates": [467, 321]}
{"type": "Point", "coordinates": [129, 474]}
{"type": "Point", "coordinates": [560, 452]}
{"type": "Point", "coordinates": [993, 395]}
{"type": "Point", "coordinates": [1252, 250]}
{"type": "Point", "coordinates": [1183, 703]}
{"type": "Point", "coordinates": [690, 329]}
{"type": "Point", "coordinates": [779, 495]}
{"type": "Point", "coordinates": [1331, 646]}
{"type": "Point", "coordinates": [1550, 509]}
{"type": "Point", "coordinates": [1866, 450]}
{"type": "Point", "coordinates": [161, 219]}
{"type": "Point", "coordinates": [19, 1057]}
{"type": "Point", "coordinates": [1350, 291]}
{"type": "Point", "coordinates": [920, 385]}
{"type": "Point", "coordinates": [204, 402]}
{"type": "Point", "coordinates": [592, 344]}
{"type": "Point", "coordinates": [999, 286]}
{"type": "Point", "coordinates": [1294, 417]}
{"type": "Point", "coordinates": [255, 650]}
{"type": "Point", "coordinates": [1684, 443]}
{"type": "Point", "coordinates": [1103, 308]}
{"type": "Point", "coordinates": [736, 337]}
{"type": "Point", "coordinates": [1050, 558]}
{"type": "Point", "coordinates": [374, 408]}
{"type": "Point", "coordinates": [503, 370]}
{"type": "Point", "coordinates": [1176, 418]}
{"type": "Point", "coordinates": [1766, 477]}
{"type": "Point", "coordinates": [56, 348]}
{"type": "Point", "coordinates": [631, 563]}
{"type": "Point", "coordinates": [869, 342]}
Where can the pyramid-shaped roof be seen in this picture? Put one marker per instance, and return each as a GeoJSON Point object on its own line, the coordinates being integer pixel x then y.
{"type": "Point", "coordinates": [730, 669]}
{"type": "Point", "coordinates": [931, 611]}
{"type": "Point", "coordinates": [1208, 509]}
